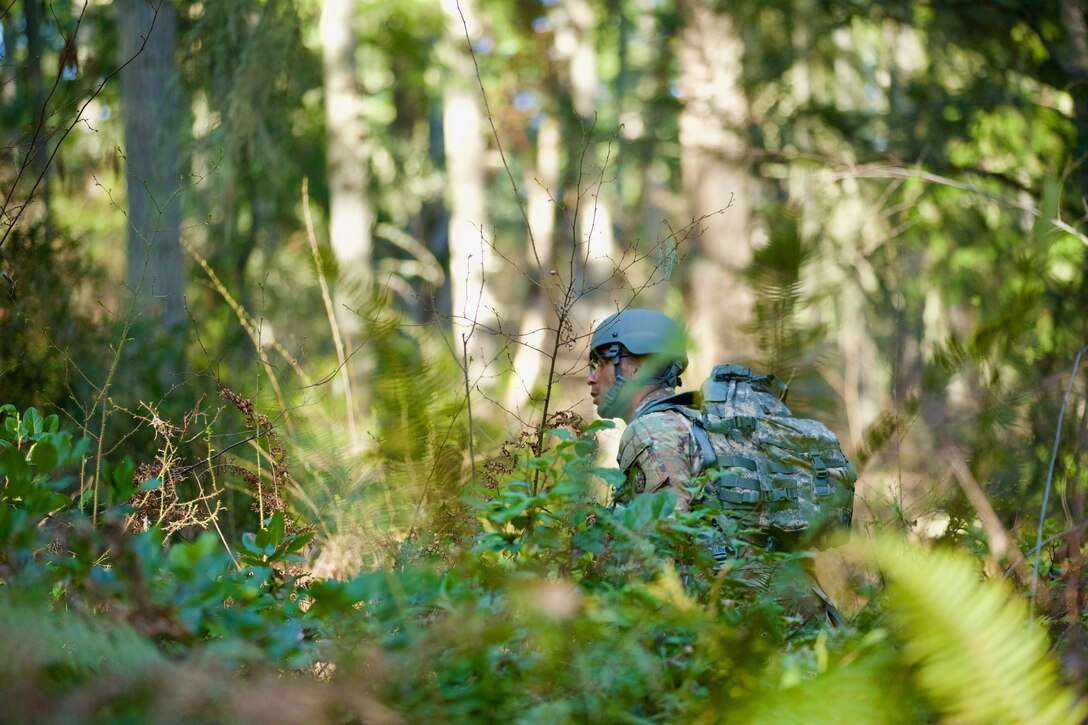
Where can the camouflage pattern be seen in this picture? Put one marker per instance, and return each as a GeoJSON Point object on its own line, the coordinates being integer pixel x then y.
{"type": "Point", "coordinates": [786, 479]}
{"type": "Point", "coordinates": [658, 451]}
{"type": "Point", "coordinates": [781, 475]}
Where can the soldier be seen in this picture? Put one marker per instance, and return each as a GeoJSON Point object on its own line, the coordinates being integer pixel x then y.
{"type": "Point", "coordinates": [635, 361]}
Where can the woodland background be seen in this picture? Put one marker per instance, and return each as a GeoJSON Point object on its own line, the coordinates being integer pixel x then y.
{"type": "Point", "coordinates": [341, 259]}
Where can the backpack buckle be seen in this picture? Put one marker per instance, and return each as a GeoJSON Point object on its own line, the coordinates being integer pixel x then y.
{"type": "Point", "coordinates": [726, 373]}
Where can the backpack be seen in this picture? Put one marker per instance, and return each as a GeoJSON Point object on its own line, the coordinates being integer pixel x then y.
{"type": "Point", "coordinates": [784, 479]}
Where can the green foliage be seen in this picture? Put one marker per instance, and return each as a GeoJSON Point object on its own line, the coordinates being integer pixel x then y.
{"type": "Point", "coordinates": [557, 608]}
{"type": "Point", "coordinates": [32, 449]}
{"type": "Point", "coordinates": [978, 654]}
{"type": "Point", "coordinates": [942, 299]}
{"type": "Point", "coordinates": [44, 323]}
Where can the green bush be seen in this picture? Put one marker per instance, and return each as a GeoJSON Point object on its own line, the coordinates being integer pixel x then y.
{"type": "Point", "coordinates": [556, 610]}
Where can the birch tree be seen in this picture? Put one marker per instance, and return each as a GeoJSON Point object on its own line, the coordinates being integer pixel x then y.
{"type": "Point", "coordinates": [350, 215]}
{"type": "Point", "coordinates": [541, 177]}
{"type": "Point", "coordinates": [472, 264]}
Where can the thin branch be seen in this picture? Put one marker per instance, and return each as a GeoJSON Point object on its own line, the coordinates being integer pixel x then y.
{"type": "Point", "coordinates": [495, 135]}
{"type": "Point", "coordinates": [882, 171]}
{"type": "Point", "coordinates": [1049, 480]}
{"type": "Point", "coordinates": [1049, 540]}
{"type": "Point", "coordinates": [222, 451]}
{"type": "Point", "coordinates": [79, 116]}
{"type": "Point", "coordinates": [1002, 545]}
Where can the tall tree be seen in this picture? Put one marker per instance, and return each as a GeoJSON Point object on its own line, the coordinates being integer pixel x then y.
{"type": "Point", "coordinates": [35, 100]}
{"type": "Point", "coordinates": [471, 256]}
{"type": "Point", "coordinates": [716, 179]}
{"type": "Point", "coordinates": [350, 215]}
{"type": "Point", "coordinates": [152, 120]}
{"type": "Point", "coordinates": [541, 177]}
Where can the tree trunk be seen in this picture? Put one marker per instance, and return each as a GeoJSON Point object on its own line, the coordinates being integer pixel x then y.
{"type": "Point", "coordinates": [583, 56]}
{"type": "Point", "coordinates": [7, 84]}
{"type": "Point", "coordinates": [350, 215]}
{"type": "Point", "coordinates": [1076, 27]}
{"type": "Point", "coordinates": [35, 100]}
{"type": "Point", "coordinates": [716, 183]}
{"type": "Point", "coordinates": [539, 183]}
{"type": "Point", "coordinates": [437, 300]}
{"type": "Point", "coordinates": [471, 257]}
{"type": "Point", "coordinates": [1075, 20]}
{"type": "Point", "coordinates": [151, 111]}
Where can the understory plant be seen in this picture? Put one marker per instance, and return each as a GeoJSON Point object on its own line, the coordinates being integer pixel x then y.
{"type": "Point", "coordinates": [554, 609]}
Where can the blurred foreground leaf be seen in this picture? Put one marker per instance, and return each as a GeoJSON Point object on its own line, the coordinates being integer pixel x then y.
{"type": "Point", "coordinates": [978, 657]}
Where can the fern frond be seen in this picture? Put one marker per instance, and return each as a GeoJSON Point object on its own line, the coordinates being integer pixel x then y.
{"type": "Point", "coordinates": [977, 656]}
{"type": "Point", "coordinates": [413, 464]}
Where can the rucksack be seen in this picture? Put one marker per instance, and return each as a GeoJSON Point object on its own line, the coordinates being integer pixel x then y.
{"type": "Point", "coordinates": [785, 480]}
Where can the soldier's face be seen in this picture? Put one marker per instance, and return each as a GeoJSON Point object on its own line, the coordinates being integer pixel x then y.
{"type": "Point", "coordinates": [602, 373]}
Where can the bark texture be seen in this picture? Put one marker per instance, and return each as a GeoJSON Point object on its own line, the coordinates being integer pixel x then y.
{"type": "Point", "coordinates": [472, 260]}
{"type": "Point", "coordinates": [715, 183]}
{"type": "Point", "coordinates": [151, 103]}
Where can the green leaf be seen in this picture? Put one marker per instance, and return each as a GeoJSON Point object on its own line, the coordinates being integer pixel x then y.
{"type": "Point", "coordinates": [298, 543]}
{"type": "Point", "coordinates": [13, 466]}
{"type": "Point", "coordinates": [44, 456]}
{"type": "Point", "coordinates": [11, 428]}
{"type": "Point", "coordinates": [514, 507]}
{"type": "Point", "coordinates": [276, 527]}
{"type": "Point", "coordinates": [540, 463]}
{"type": "Point", "coordinates": [649, 507]}
{"type": "Point", "coordinates": [250, 545]}
{"type": "Point", "coordinates": [150, 484]}
{"type": "Point", "coordinates": [612, 476]}
{"type": "Point", "coordinates": [561, 433]}
{"type": "Point", "coordinates": [62, 441]}
{"type": "Point", "coordinates": [123, 474]}
{"type": "Point", "coordinates": [33, 423]}
{"type": "Point", "coordinates": [585, 447]}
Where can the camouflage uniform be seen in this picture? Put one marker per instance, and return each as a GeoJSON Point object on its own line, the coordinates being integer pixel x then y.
{"type": "Point", "coordinates": [658, 451]}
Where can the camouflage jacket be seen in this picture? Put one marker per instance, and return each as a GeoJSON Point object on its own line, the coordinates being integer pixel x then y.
{"type": "Point", "coordinates": [658, 451]}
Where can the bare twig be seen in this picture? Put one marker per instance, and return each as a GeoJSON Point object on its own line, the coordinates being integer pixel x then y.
{"type": "Point", "coordinates": [495, 134]}
{"type": "Point", "coordinates": [79, 116]}
{"type": "Point", "coordinates": [1049, 480]}
{"type": "Point", "coordinates": [1002, 545]}
{"type": "Point", "coordinates": [226, 449]}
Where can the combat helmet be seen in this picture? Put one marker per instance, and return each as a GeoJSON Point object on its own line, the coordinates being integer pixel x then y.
{"type": "Point", "coordinates": [643, 333]}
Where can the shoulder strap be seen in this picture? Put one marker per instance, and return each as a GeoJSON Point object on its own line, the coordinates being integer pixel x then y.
{"type": "Point", "coordinates": [707, 454]}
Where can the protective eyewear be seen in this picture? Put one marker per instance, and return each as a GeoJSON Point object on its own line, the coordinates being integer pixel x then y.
{"type": "Point", "coordinates": [609, 354]}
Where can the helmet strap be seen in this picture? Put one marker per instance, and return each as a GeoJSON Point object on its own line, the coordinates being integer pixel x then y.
{"type": "Point", "coordinates": [617, 397]}
{"type": "Point", "coordinates": [671, 377]}
{"type": "Point", "coordinates": [614, 403]}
